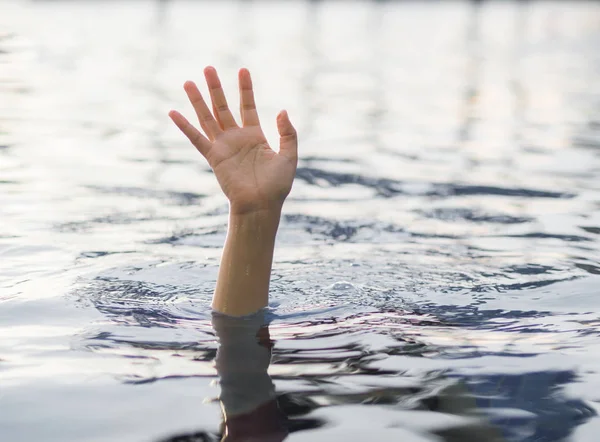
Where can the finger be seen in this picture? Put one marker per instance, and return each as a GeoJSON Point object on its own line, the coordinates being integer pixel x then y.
{"type": "Point", "coordinates": [220, 107]}
{"type": "Point", "coordinates": [247, 104]}
{"type": "Point", "coordinates": [288, 141]}
{"type": "Point", "coordinates": [198, 140]}
{"type": "Point", "coordinates": [205, 117]}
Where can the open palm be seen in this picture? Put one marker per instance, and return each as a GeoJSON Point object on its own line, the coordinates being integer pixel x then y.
{"type": "Point", "coordinates": [251, 174]}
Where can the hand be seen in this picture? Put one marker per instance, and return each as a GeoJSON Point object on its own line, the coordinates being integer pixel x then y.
{"type": "Point", "coordinates": [252, 175]}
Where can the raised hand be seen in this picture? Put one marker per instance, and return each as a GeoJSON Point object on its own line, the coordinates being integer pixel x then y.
{"type": "Point", "coordinates": [252, 175]}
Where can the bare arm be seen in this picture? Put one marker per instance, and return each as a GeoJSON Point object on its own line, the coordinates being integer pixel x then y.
{"type": "Point", "coordinates": [255, 179]}
{"type": "Point", "coordinates": [243, 282]}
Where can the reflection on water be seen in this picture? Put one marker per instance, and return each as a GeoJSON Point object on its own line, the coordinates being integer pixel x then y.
{"type": "Point", "coordinates": [479, 407]}
{"type": "Point", "coordinates": [437, 269]}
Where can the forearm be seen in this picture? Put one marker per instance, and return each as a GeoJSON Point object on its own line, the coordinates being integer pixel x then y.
{"type": "Point", "coordinates": [243, 281]}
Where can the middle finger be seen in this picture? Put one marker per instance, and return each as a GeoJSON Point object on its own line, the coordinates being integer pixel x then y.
{"type": "Point", "coordinates": [220, 107]}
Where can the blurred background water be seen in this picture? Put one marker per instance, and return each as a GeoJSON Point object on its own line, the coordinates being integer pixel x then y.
{"type": "Point", "coordinates": [441, 240]}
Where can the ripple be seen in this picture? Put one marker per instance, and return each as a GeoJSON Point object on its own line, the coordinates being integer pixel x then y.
{"type": "Point", "coordinates": [118, 218]}
{"type": "Point", "coordinates": [168, 197]}
{"type": "Point", "coordinates": [460, 214]}
{"type": "Point", "coordinates": [593, 230]}
{"type": "Point", "coordinates": [388, 188]}
{"type": "Point", "coordinates": [541, 235]}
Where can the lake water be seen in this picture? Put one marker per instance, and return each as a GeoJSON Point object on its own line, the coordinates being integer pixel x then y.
{"type": "Point", "coordinates": [438, 258]}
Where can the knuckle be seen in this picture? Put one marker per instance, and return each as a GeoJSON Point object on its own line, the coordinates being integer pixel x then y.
{"type": "Point", "coordinates": [289, 136]}
{"type": "Point", "coordinates": [196, 139]}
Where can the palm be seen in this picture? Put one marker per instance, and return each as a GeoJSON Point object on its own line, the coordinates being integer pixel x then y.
{"type": "Point", "coordinates": [250, 173]}
{"type": "Point", "coordinates": [248, 170]}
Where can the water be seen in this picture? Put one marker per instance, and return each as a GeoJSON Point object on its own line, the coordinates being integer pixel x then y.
{"type": "Point", "coordinates": [438, 257]}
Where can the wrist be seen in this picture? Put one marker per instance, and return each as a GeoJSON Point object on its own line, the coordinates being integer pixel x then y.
{"type": "Point", "coordinates": [271, 209]}
{"type": "Point", "coordinates": [258, 222]}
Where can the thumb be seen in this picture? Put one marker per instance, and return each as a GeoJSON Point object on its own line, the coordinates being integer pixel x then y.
{"type": "Point", "coordinates": [288, 138]}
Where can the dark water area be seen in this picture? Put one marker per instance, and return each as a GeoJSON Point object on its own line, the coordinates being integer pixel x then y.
{"type": "Point", "coordinates": [437, 270]}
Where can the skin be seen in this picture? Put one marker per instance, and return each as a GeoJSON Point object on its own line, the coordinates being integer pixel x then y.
{"type": "Point", "coordinates": [255, 179]}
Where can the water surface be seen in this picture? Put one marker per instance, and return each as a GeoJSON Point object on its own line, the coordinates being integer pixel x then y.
{"type": "Point", "coordinates": [438, 258]}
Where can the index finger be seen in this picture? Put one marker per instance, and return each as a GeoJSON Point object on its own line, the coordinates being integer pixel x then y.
{"type": "Point", "coordinates": [205, 117]}
{"type": "Point", "coordinates": [193, 134]}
